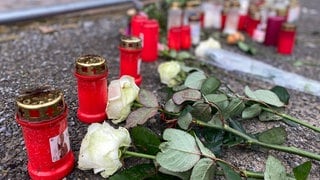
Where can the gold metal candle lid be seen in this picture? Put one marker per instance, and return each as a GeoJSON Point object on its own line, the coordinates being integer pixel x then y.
{"type": "Point", "coordinates": [130, 42]}
{"type": "Point", "coordinates": [194, 18]}
{"type": "Point", "coordinates": [91, 65]}
{"type": "Point", "coordinates": [175, 5]}
{"type": "Point", "coordinates": [281, 12]}
{"type": "Point", "coordinates": [192, 4]}
{"type": "Point", "coordinates": [288, 27]}
{"type": "Point", "coordinates": [40, 104]}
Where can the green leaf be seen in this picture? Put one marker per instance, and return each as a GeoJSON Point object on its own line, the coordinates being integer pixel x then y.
{"type": "Point", "coordinates": [276, 135]}
{"type": "Point", "coordinates": [173, 54]}
{"type": "Point", "coordinates": [252, 50]}
{"type": "Point", "coordinates": [251, 112]}
{"type": "Point", "coordinates": [140, 116]}
{"type": "Point", "coordinates": [237, 126]}
{"type": "Point", "coordinates": [186, 95]}
{"type": "Point", "coordinates": [282, 93]}
{"type": "Point", "coordinates": [147, 98]}
{"type": "Point", "coordinates": [204, 151]}
{"type": "Point", "coordinates": [145, 140]}
{"type": "Point", "coordinates": [201, 111]}
{"type": "Point", "coordinates": [180, 152]}
{"type": "Point", "coordinates": [243, 46]}
{"type": "Point", "coordinates": [221, 100]}
{"type": "Point", "coordinates": [170, 106]}
{"type": "Point", "coordinates": [182, 175]}
{"type": "Point", "coordinates": [274, 170]}
{"type": "Point", "coordinates": [302, 171]}
{"type": "Point", "coordinates": [182, 55]}
{"type": "Point", "coordinates": [235, 107]}
{"type": "Point", "coordinates": [185, 120]}
{"type": "Point", "coordinates": [229, 173]}
{"type": "Point", "coordinates": [195, 80]}
{"type": "Point", "coordinates": [268, 116]}
{"type": "Point", "coordinates": [203, 170]}
{"type": "Point", "coordinates": [265, 96]}
{"type": "Point", "coordinates": [210, 85]}
{"type": "Point", "coordinates": [212, 139]}
{"type": "Point", "coordinates": [137, 172]}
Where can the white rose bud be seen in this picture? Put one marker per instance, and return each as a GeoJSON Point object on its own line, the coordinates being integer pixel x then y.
{"type": "Point", "coordinates": [205, 46]}
{"type": "Point", "coordinates": [100, 148]}
{"type": "Point", "coordinates": [121, 94]}
{"type": "Point", "coordinates": [168, 72]}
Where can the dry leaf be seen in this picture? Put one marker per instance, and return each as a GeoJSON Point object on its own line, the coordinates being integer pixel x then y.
{"type": "Point", "coordinates": [46, 29]}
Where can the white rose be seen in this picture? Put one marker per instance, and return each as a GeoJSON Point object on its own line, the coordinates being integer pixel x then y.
{"type": "Point", "coordinates": [100, 148]}
{"type": "Point", "coordinates": [121, 94]}
{"type": "Point", "coordinates": [205, 46]}
{"type": "Point", "coordinates": [168, 72]}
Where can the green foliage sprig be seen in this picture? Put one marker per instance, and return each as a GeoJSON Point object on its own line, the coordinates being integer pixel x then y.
{"type": "Point", "coordinates": [202, 108]}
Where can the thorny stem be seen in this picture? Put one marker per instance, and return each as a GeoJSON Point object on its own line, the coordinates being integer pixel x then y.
{"type": "Point", "coordinates": [141, 155]}
{"type": "Point", "coordinates": [293, 119]}
{"type": "Point", "coordinates": [252, 174]}
{"type": "Point", "coordinates": [244, 173]}
{"type": "Point", "coordinates": [283, 115]}
{"type": "Point", "coordinates": [251, 140]}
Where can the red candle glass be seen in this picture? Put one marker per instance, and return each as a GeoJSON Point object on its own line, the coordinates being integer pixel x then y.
{"type": "Point", "coordinates": [137, 22]}
{"type": "Point", "coordinates": [287, 38]}
{"type": "Point", "coordinates": [242, 22]}
{"type": "Point", "coordinates": [252, 23]}
{"type": "Point", "coordinates": [174, 38]}
{"type": "Point", "coordinates": [273, 28]}
{"type": "Point", "coordinates": [130, 57]}
{"type": "Point", "coordinates": [92, 72]}
{"type": "Point", "coordinates": [185, 37]}
{"type": "Point", "coordinates": [150, 37]}
{"type": "Point", "coordinates": [43, 118]}
{"type": "Point", "coordinates": [223, 18]}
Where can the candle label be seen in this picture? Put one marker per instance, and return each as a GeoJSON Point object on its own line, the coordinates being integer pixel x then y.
{"type": "Point", "coordinates": [59, 145]}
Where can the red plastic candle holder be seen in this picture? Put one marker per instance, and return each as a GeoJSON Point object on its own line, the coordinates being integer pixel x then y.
{"type": "Point", "coordinates": [130, 57]}
{"type": "Point", "coordinates": [174, 38]}
{"type": "Point", "coordinates": [43, 118]}
{"type": "Point", "coordinates": [252, 23]}
{"type": "Point", "coordinates": [150, 39]}
{"type": "Point", "coordinates": [185, 37]}
{"type": "Point", "coordinates": [242, 22]}
{"type": "Point", "coordinates": [91, 73]}
{"type": "Point", "coordinates": [273, 28]}
{"type": "Point", "coordinates": [287, 38]}
{"type": "Point", "coordinates": [223, 19]}
{"type": "Point", "coordinates": [137, 22]}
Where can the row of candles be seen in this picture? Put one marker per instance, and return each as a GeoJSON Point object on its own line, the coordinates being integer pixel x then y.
{"type": "Point", "coordinates": [42, 113]}
{"type": "Point", "coordinates": [269, 23]}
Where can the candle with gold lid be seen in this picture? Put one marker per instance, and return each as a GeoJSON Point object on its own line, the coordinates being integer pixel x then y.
{"type": "Point", "coordinates": [42, 114]}
{"type": "Point", "coordinates": [130, 57]}
{"type": "Point", "coordinates": [92, 72]}
{"type": "Point", "coordinates": [287, 37]}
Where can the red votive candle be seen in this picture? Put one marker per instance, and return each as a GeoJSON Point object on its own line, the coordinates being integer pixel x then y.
{"type": "Point", "coordinates": [223, 18]}
{"type": "Point", "coordinates": [273, 28]}
{"type": "Point", "coordinates": [242, 22]}
{"type": "Point", "coordinates": [42, 114]}
{"type": "Point", "coordinates": [137, 22]}
{"type": "Point", "coordinates": [150, 39]}
{"type": "Point", "coordinates": [130, 57]}
{"type": "Point", "coordinates": [185, 37]}
{"type": "Point", "coordinates": [286, 38]}
{"type": "Point", "coordinates": [174, 38]}
{"type": "Point", "coordinates": [92, 73]}
{"type": "Point", "coordinates": [252, 23]}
